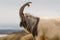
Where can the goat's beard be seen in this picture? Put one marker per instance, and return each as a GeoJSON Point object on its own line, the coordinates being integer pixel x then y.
{"type": "Point", "coordinates": [22, 24]}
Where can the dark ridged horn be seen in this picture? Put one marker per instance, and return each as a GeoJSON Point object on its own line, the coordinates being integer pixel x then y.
{"type": "Point", "coordinates": [22, 9]}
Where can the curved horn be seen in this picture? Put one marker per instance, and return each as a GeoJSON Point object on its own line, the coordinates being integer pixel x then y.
{"type": "Point", "coordinates": [22, 9]}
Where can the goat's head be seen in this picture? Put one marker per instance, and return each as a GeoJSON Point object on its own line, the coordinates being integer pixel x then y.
{"type": "Point", "coordinates": [28, 21]}
{"type": "Point", "coordinates": [23, 16]}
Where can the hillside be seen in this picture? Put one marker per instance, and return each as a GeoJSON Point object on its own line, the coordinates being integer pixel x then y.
{"type": "Point", "coordinates": [21, 35]}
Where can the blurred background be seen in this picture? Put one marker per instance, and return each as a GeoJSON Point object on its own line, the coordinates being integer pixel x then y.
{"type": "Point", "coordinates": [9, 11]}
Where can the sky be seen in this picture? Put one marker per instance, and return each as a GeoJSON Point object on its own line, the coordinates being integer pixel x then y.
{"type": "Point", "coordinates": [9, 10]}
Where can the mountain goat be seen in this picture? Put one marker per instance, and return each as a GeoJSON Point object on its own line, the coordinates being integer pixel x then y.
{"type": "Point", "coordinates": [40, 28]}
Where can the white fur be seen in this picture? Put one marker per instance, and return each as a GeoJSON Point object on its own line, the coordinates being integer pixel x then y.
{"type": "Point", "coordinates": [49, 28]}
